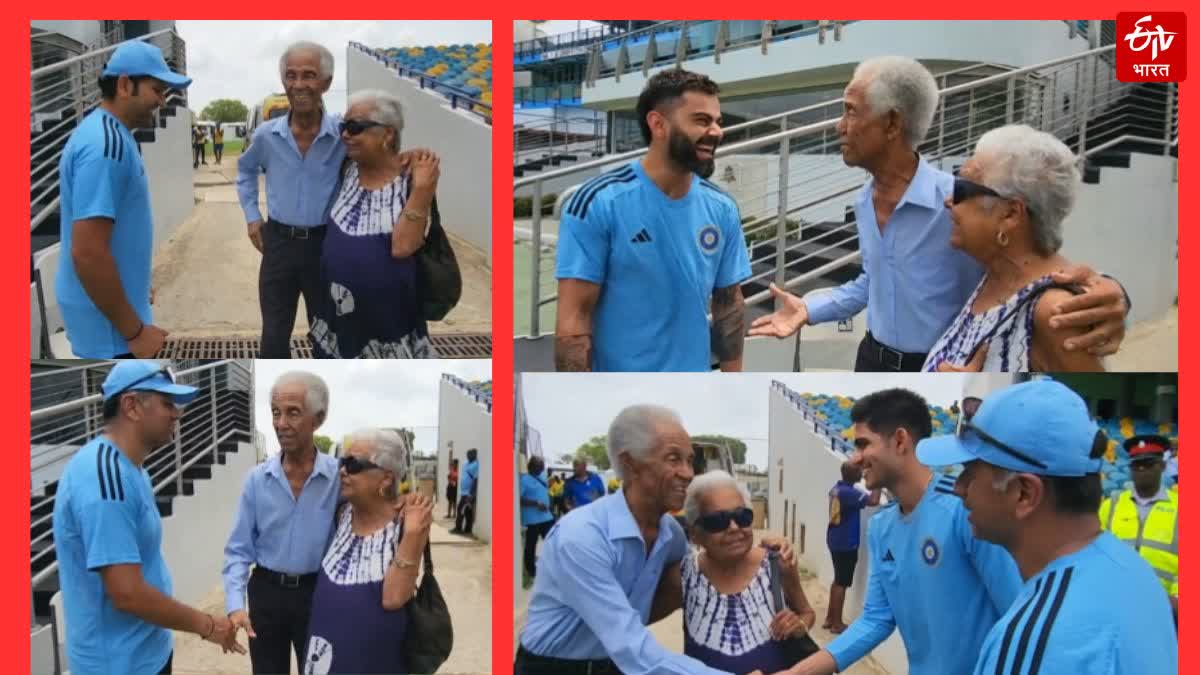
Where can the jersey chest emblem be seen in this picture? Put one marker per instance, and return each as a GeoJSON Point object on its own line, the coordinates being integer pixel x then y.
{"type": "Point", "coordinates": [930, 552]}
{"type": "Point", "coordinates": [709, 239]}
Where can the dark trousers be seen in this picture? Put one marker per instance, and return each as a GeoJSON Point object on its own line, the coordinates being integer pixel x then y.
{"type": "Point", "coordinates": [218, 150]}
{"type": "Point", "coordinates": [876, 357]}
{"type": "Point", "coordinates": [290, 266]}
{"type": "Point", "coordinates": [166, 670]}
{"type": "Point", "coordinates": [280, 619]}
{"type": "Point", "coordinates": [464, 520]}
{"type": "Point", "coordinates": [532, 534]}
{"type": "Point", "coordinates": [532, 664]}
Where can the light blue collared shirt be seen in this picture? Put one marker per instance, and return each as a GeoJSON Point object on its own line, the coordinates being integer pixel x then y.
{"type": "Point", "coordinates": [298, 188]}
{"type": "Point", "coordinates": [913, 282]}
{"type": "Point", "coordinates": [277, 531]}
{"type": "Point", "coordinates": [594, 587]}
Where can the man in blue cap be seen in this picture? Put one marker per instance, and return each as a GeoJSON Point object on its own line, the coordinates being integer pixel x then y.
{"type": "Point", "coordinates": [1031, 483]}
{"type": "Point", "coordinates": [108, 535]}
{"type": "Point", "coordinates": [103, 284]}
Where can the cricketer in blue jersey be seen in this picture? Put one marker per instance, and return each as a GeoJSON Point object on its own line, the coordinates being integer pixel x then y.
{"type": "Point", "coordinates": [103, 281]}
{"type": "Point", "coordinates": [644, 249]}
{"type": "Point", "coordinates": [108, 535]}
{"type": "Point", "coordinates": [929, 576]}
{"type": "Point", "coordinates": [1031, 483]}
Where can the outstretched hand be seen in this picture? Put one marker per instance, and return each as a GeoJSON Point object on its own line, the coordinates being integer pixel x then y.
{"type": "Point", "coordinates": [785, 321]}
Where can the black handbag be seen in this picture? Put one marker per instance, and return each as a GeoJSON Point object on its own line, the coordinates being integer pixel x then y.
{"type": "Point", "coordinates": [439, 281]}
{"type": "Point", "coordinates": [430, 635]}
{"type": "Point", "coordinates": [798, 648]}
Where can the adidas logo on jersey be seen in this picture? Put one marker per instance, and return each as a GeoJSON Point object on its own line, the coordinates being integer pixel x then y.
{"type": "Point", "coordinates": [641, 237]}
{"type": "Point", "coordinates": [888, 556]}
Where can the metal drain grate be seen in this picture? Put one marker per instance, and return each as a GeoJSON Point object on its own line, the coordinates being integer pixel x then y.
{"type": "Point", "coordinates": [450, 346]}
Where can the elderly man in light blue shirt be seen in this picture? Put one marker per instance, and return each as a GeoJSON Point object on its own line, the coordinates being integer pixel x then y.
{"type": "Point", "coordinates": [601, 563]}
{"type": "Point", "coordinates": [913, 282]}
{"type": "Point", "coordinates": [302, 154]}
{"type": "Point", "coordinates": [284, 521]}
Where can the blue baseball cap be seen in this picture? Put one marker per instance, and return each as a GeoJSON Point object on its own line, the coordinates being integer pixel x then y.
{"type": "Point", "coordinates": [146, 376]}
{"type": "Point", "coordinates": [141, 58]}
{"type": "Point", "coordinates": [1039, 427]}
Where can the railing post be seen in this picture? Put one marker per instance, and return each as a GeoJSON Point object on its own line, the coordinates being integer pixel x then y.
{"type": "Point", "coordinates": [1089, 95]}
{"type": "Point", "coordinates": [1170, 118]}
{"type": "Point", "coordinates": [941, 120]}
{"type": "Point", "coordinates": [212, 402]}
{"type": "Point", "coordinates": [1010, 99]}
{"type": "Point", "coordinates": [178, 461]}
{"type": "Point", "coordinates": [785, 147]}
{"type": "Point", "coordinates": [535, 271]}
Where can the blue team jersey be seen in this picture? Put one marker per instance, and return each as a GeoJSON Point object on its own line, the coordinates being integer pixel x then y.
{"type": "Point", "coordinates": [583, 492]}
{"type": "Point", "coordinates": [105, 514]}
{"type": "Point", "coordinates": [1099, 611]}
{"type": "Point", "coordinates": [101, 175]}
{"type": "Point", "coordinates": [932, 579]}
{"type": "Point", "coordinates": [657, 260]}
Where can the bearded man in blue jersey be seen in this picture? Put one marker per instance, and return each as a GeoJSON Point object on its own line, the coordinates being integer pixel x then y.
{"type": "Point", "coordinates": [1031, 483]}
{"type": "Point", "coordinates": [929, 576]}
{"type": "Point", "coordinates": [644, 249]}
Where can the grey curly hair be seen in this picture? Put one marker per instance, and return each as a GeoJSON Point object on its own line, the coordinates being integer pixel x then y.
{"type": "Point", "coordinates": [904, 85]}
{"type": "Point", "coordinates": [388, 449]}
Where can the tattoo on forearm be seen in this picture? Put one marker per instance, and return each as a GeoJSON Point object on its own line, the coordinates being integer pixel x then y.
{"type": "Point", "coordinates": [573, 353]}
{"type": "Point", "coordinates": [729, 323]}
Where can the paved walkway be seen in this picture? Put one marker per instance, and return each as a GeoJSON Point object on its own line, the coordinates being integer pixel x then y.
{"type": "Point", "coordinates": [463, 568]}
{"type": "Point", "coordinates": [206, 275]}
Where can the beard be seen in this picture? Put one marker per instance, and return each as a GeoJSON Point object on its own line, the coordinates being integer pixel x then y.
{"type": "Point", "coordinates": [682, 151]}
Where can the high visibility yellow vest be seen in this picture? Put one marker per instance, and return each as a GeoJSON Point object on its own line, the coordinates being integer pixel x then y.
{"type": "Point", "coordinates": [1156, 539]}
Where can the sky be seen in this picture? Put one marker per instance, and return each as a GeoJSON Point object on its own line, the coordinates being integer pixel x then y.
{"type": "Point", "coordinates": [369, 393]}
{"type": "Point", "coordinates": [569, 409]}
{"type": "Point", "coordinates": [240, 59]}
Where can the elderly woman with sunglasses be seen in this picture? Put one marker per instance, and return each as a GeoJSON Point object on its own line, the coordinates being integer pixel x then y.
{"type": "Point", "coordinates": [729, 617]}
{"type": "Point", "coordinates": [1007, 209]}
{"type": "Point", "coordinates": [377, 221]}
{"type": "Point", "coordinates": [369, 572]}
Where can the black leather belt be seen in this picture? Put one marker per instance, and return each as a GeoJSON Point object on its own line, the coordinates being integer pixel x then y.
{"type": "Point", "coordinates": [285, 580]}
{"type": "Point", "coordinates": [296, 232]}
{"type": "Point", "coordinates": [531, 664]}
{"type": "Point", "coordinates": [894, 359]}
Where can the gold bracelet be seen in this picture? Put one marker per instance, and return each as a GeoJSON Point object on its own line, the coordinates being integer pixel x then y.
{"type": "Point", "coordinates": [415, 216]}
{"type": "Point", "coordinates": [401, 563]}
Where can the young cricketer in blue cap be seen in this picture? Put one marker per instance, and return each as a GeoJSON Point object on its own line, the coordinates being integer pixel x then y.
{"type": "Point", "coordinates": [103, 282]}
{"type": "Point", "coordinates": [108, 535]}
{"type": "Point", "coordinates": [1031, 483]}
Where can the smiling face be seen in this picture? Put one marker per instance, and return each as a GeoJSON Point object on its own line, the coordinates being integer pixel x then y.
{"type": "Point", "coordinates": [691, 129]}
{"type": "Point", "coordinates": [373, 143]}
{"type": "Point", "coordinates": [302, 81]}
{"type": "Point", "coordinates": [877, 456]}
{"type": "Point", "coordinates": [294, 425]}
{"type": "Point", "coordinates": [663, 476]}
{"type": "Point", "coordinates": [369, 483]}
{"type": "Point", "coordinates": [155, 415]}
{"type": "Point", "coordinates": [733, 542]}
{"type": "Point", "coordinates": [142, 98]}
{"type": "Point", "coordinates": [976, 220]}
{"type": "Point", "coordinates": [990, 511]}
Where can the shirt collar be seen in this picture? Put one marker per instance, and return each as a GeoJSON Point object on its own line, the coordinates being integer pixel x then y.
{"type": "Point", "coordinates": [622, 525]}
{"type": "Point", "coordinates": [922, 189]}
{"type": "Point", "coordinates": [325, 465]}
{"type": "Point", "coordinates": [1160, 496]}
{"type": "Point", "coordinates": [329, 125]}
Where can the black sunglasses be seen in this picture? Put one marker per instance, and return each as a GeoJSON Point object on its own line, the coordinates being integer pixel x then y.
{"type": "Point", "coordinates": [966, 427]}
{"type": "Point", "coordinates": [965, 189]}
{"type": "Point", "coordinates": [166, 372]}
{"type": "Point", "coordinates": [354, 465]}
{"type": "Point", "coordinates": [718, 521]}
{"type": "Point", "coordinates": [356, 127]}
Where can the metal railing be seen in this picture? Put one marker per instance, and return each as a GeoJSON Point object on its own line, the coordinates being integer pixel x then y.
{"type": "Point", "coordinates": [480, 395]}
{"type": "Point", "coordinates": [809, 414]}
{"type": "Point", "coordinates": [573, 42]}
{"type": "Point", "coordinates": [221, 412]}
{"type": "Point", "coordinates": [1077, 98]}
{"type": "Point", "coordinates": [459, 98]}
{"type": "Point", "coordinates": [554, 135]}
{"type": "Point", "coordinates": [62, 94]}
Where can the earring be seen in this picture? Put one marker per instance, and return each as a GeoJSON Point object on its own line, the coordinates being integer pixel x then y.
{"type": "Point", "coordinates": [1002, 238]}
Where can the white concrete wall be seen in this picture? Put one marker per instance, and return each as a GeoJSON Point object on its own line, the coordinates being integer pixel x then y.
{"type": "Point", "coordinates": [467, 425]}
{"type": "Point", "coordinates": [801, 460]}
{"type": "Point", "coordinates": [1127, 226]}
{"type": "Point", "coordinates": [1012, 43]}
{"type": "Point", "coordinates": [195, 533]}
{"type": "Point", "coordinates": [461, 138]}
{"type": "Point", "coordinates": [169, 172]}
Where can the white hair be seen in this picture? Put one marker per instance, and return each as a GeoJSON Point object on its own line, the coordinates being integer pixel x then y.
{"type": "Point", "coordinates": [635, 430]}
{"type": "Point", "coordinates": [325, 56]}
{"type": "Point", "coordinates": [389, 450]}
{"type": "Point", "coordinates": [704, 483]}
{"type": "Point", "coordinates": [1001, 478]}
{"type": "Point", "coordinates": [316, 392]}
{"type": "Point", "coordinates": [904, 85]}
{"type": "Point", "coordinates": [385, 109]}
{"type": "Point", "coordinates": [1019, 161]}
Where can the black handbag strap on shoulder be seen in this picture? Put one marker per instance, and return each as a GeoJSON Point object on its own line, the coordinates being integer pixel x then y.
{"type": "Point", "coordinates": [776, 587]}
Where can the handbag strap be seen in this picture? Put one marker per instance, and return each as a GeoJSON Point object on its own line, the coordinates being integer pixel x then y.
{"type": "Point", "coordinates": [776, 589]}
{"type": "Point", "coordinates": [428, 559]}
{"type": "Point", "coordinates": [1016, 310]}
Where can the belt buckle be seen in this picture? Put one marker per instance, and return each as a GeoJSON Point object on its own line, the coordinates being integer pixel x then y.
{"type": "Point", "coordinates": [283, 580]}
{"type": "Point", "coordinates": [299, 233]}
{"type": "Point", "coordinates": [884, 350]}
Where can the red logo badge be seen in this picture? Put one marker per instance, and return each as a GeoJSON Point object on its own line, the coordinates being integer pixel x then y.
{"type": "Point", "coordinates": [1151, 47]}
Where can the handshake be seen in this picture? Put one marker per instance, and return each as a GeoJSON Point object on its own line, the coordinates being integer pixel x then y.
{"type": "Point", "coordinates": [223, 631]}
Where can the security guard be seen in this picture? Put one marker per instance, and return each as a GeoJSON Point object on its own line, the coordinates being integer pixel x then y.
{"type": "Point", "coordinates": [1147, 516]}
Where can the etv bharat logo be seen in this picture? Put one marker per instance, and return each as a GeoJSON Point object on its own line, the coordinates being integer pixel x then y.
{"type": "Point", "coordinates": [1144, 37]}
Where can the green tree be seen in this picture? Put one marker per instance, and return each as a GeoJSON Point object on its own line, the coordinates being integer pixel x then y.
{"type": "Point", "coordinates": [225, 110]}
{"type": "Point", "coordinates": [323, 443]}
{"type": "Point", "coordinates": [595, 451]}
{"type": "Point", "coordinates": [736, 447]}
